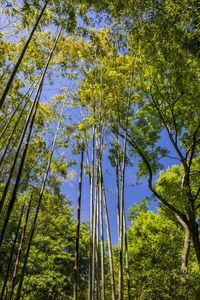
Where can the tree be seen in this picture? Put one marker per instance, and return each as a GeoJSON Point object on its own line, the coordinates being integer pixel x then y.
{"type": "Point", "coordinates": [154, 252]}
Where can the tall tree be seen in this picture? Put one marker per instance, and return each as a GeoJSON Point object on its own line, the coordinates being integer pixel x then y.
{"type": "Point", "coordinates": [76, 261]}
{"type": "Point", "coordinates": [12, 253]}
{"type": "Point", "coordinates": [7, 88]}
{"type": "Point", "coordinates": [20, 249]}
{"type": "Point", "coordinates": [16, 186]}
{"type": "Point", "coordinates": [39, 202]}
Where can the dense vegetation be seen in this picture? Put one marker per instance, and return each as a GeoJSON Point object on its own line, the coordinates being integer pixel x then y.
{"type": "Point", "coordinates": [98, 87]}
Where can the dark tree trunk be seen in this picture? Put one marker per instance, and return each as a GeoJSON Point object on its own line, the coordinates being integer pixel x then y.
{"type": "Point", "coordinates": [112, 279]}
{"type": "Point", "coordinates": [3, 97]}
{"type": "Point", "coordinates": [91, 217]}
{"type": "Point", "coordinates": [16, 155]}
{"type": "Point", "coordinates": [195, 239]}
{"type": "Point", "coordinates": [16, 186]}
{"type": "Point", "coordinates": [11, 136]}
{"type": "Point", "coordinates": [19, 250]}
{"type": "Point", "coordinates": [36, 102]}
{"type": "Point", "coordinates": [78, 228]}
{"type": "Point", "coordinates": [21, 101]}
{"type": "Point", "coordinates": [11, 254]}
{"type": "Point", "coordinates": [39, 203]}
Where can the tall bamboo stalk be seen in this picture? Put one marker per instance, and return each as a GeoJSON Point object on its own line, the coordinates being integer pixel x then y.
{"type": "Point", "coordinates": [18, 149]}
{"type": "Point", "coordinates": [12, 253]}
{"type": "Point", "coordinates": [16, 186]}
{"type": "Point", "coordinates": [21, 101]}
{"type": "Point", "coordinates": [97, 235]}
{"type": "Point", "coordinates": [127, 260]}
{"type": "Point", "coordinates": [8, 86]}
{"type": "Point", "coordinates": [99, 155]}
{"type": "Point", "coordinates": [78, 227]}
{"type": "Point", "coordinates": [12, 133]}
{"type": "Point", "coordinates": [38, 208]}
{"type": "Point", "coordinates": [91, 217]}
{"type": "Point", "coordinates": [122, 194]}
{"type": "Point", "coordinates": [102, 240]}
{"type": "Point", "coordinates": [20, 250]}
{"type": "Point", "coordinates": [112, 279]}
{"type": "Point", "coordinates": [94, 247]}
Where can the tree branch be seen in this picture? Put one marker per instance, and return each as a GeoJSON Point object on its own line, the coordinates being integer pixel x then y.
{"type": "Point", "coordinates": [183, 160]}
{"type": "Point", "coordinates": [150, 179]}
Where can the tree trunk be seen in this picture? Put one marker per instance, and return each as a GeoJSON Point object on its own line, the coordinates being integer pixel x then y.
{"type": "Point", "coordinates": [122, 194]}
{"type": "Point", "coordinates": [112, 279]}
{"type": "Point", "coordinates": [12, 133]}
{"type": "Point", "coordinates": [117, 196]}
{"type": "Point", "coordinates": [12, 253]}
{"type": "Point", "coordinates": [78, 228]}
{"type": "Point", "coordinates": [3, 97]}
{"type": "Point", "coordinates": [16, 109]}
{"type": "Point", "coordinates": [186, 247]}
{"type": "Point", "coordinates": [97, 236]}
{"type": "Point", "coordinates": [91, 218]}
{"type": "Point", "coordinates": [127, 261]}
{"type": "Point", "coordinates": [101, 219]}
{"type": "Point", "coordinates": [20, 250]}
{"type": "Point", "coordinates": [195, 239]}
{"type": "Point", "coordinates": [38, 207]}
{"type": "Point", "coordinates": [14, 193]}
{"type": "Point", "coordinates": [36, 102]}
{"type": "Point", "coordinates": [16, 155]}
{"type": "Point", "coordinates": [94, 247]}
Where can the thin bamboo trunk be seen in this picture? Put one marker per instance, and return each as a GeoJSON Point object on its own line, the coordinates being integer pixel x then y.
{"type": "Point", "coordinates": [16, 186]}
{"type": "Point", "coordinates": [16, 109]}
{"type": "Point", "coordinates": [117, 196]}
{"type": "Point", "coordinates": [8, 86]}
{"type": "Point", "coordinates": [12, 253]}
{"type": "Point", "coordinates": [117, 183]}
{"type": "Point", "coordinates": [37, 209]}
{"type": "Point", "coordinates": [127, 260]}
{"type": "Point", "coordinates": [100, 287]}
{"type": "Point", "coordinates": [20, 249]}
{"type": "Point", "coordinates": [112, 279]}
{"type": "Point", "coordinates": [97, 237]}
{"type": "Point", "coordinates": [91, 218]}
{"type": "Point", "coordinates": [94, 248]}
{"type": "Point", "coordinates": [121, 225]}
{"type": "Point", "coordinates": [12, 133]}
{"type": "Point", "coordinates": [102, 244]}
{"type": "Point", "coordinates": [17, 153]}
{"type": "Point", "coordinates": [36, 101]}
{"type": "Point", "coordinates": [78, 228]}
{"type": "Point", "coordinates": [122, 195]}
{"type": "Point", "coordinates": [99, 155]}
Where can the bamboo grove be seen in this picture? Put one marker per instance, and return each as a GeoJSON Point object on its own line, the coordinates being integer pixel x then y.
{"type": "Point", "coordinates": [99, 115]}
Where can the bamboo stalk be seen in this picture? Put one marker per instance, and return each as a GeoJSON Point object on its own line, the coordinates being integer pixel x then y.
{"type": "Point", "coordinates": [78, 228]}
{"type": "Point", "coordinates": [8, 86]}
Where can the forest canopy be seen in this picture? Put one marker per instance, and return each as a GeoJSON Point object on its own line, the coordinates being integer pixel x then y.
{"type": "Point", "coordinates": [99, 149]}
